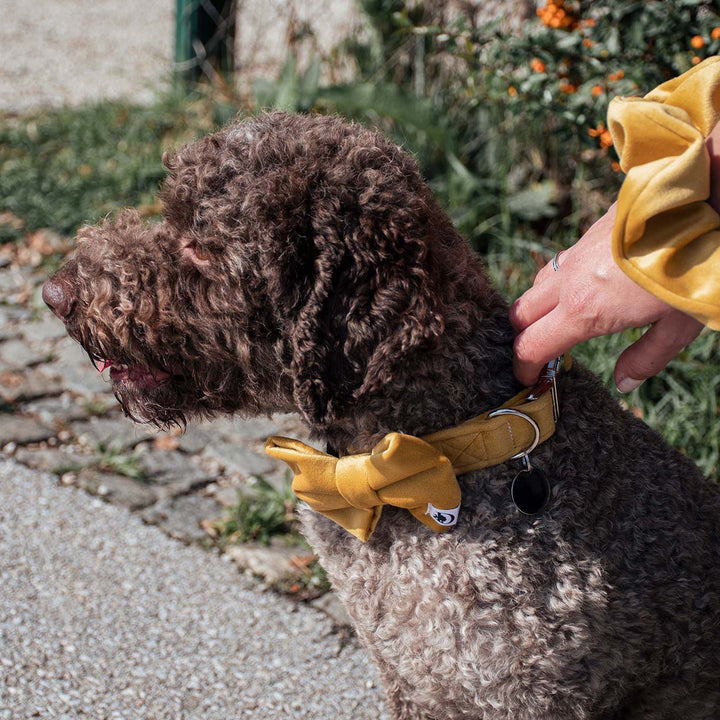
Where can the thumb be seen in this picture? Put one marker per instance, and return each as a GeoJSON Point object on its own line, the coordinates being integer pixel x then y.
{"type": "Point", "coordinates": [655, 349]}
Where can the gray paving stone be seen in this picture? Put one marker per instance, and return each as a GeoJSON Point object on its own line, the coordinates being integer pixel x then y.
{"type": "Point", "coordinates": [196, 438]}
{"type": "Point", "coordinates": [47, 329]}
{"type": "Point", "coordinates": [234, 457]}
{"type": "Point", "coordinates": [180, 517]}
{"type": "Point", "coordinates": [22, 430]}
{"type": "Point", "coordinates": [228, 496]}
{"type": "Point", "coordinates": [333, 608]}
{"type": "Point", "coordinates": [73, 365]}
{"type": "Point", "coordinates": [14, 281]}
{"type": "Point", "coordinates": [10, 315]}
{"type": "Point", "coordinates": [18, 354]}
{"type": "Point", "coordinates": [117, 489]}
{"type": "Point", "coordinates": [241, 429]}
{"type": "Point", "coordinates": [274, 564]}
{"type": "Point", "coordinates": [29, 385]}
{"type": "Point", "coordinates": [53, 459]}
{"type": "Point", "coordinates": [62, 409]}
{"type": "Point", "coordinates": [8, 333]}
{"type": "Point", "coordinates": [172, 473]}
{"type": "Point", "coordinates": [118, 433]}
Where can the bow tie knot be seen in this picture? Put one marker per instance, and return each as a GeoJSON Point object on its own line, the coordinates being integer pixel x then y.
{"type": "Point", "coordinates": [401, 470]}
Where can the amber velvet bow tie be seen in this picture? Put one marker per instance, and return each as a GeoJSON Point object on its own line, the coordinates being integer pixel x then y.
{"type": "Point", "coordinates": [418, 474]}
{"type": "Point", "coordinates": [666, 236]}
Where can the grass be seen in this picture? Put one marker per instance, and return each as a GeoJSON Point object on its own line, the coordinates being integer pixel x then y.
{"type": "Point", "coordinates": [112, 457]}
{"type": "Point", "coordinates": [62, 168]}
{"type": "Point", "coordinates": [262, 512]}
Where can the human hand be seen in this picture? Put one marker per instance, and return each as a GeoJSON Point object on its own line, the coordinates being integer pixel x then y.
{"type": "Point", "coordinates": [588, 296]}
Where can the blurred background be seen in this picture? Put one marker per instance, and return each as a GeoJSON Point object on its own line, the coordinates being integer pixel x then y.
{"type": "Point", "coordinates": [503, 104]}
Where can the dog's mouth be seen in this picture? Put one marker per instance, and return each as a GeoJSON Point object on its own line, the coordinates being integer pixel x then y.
{"type": "Point", "coordinates": [138, 376]}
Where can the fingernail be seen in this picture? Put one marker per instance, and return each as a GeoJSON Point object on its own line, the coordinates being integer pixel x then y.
{"type": "Point", "coordinates": [628, 384]}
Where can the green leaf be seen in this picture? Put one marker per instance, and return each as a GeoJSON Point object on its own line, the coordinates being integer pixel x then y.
{"type": "Point", "coordinates": [535, 202]}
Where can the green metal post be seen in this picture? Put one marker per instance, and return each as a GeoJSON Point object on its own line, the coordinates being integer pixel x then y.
{"type": "Point", "coordinates": [204, 38]}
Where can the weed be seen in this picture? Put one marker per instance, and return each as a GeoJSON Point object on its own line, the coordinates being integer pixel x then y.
{"type": "Point", "coordinates": [262, 511]}
{"type": "Point", "coordinates": [112, 457]}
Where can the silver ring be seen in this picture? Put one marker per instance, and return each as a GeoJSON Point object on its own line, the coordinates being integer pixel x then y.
{"type": "Point", "coordinates": [535, 427]}
{"type": "Point", "coordinates": [555, 265]}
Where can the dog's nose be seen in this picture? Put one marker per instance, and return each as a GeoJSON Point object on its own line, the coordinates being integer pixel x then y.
{"type": "Point", "coordinates": [58, 299]}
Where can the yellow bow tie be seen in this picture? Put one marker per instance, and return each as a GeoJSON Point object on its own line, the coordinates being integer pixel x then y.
{"type": "Point", "coordinates": [416, 473]}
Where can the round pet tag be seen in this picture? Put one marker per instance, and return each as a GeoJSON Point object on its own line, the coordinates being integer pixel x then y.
{"type": "Point", "coordinates": [530, 491]}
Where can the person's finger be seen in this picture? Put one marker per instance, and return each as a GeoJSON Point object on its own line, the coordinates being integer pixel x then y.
{"type": "Point", "coordinates": [655, 349]}
{"type": "Point", "coordinates": [547, 271]}
{"type": "Point", "coordinates": [533, 304]}
{"type": "Point", "coordinates": [551, 336]}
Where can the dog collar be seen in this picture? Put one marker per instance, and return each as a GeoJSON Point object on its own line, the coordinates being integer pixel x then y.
{"type": "Point", "coordinates": [419, 474]}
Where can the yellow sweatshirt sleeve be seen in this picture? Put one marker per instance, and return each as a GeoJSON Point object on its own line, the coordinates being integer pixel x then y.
{"type": "Point", "coordinates": [666, 236]}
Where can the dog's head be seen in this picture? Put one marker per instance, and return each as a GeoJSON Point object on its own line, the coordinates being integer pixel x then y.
{"type": "Point", "coordinates": [301, 260]}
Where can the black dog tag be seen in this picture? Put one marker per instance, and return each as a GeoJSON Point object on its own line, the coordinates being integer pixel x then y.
{"type": "Point", "coordinates": [530, 490]}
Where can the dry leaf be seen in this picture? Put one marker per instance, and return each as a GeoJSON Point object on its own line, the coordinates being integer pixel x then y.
{"type": "Point", "coordinates": [166, 442]}
{"type": "Point", "coordinates": [209, 527]}
{"type": "Point", "coordinates": [11, 379]}
{"type": "Point", "coordinates": [303, 562]}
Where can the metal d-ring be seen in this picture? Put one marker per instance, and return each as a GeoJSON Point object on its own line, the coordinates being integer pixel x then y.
{"type": "Point", "coordinates": [534, 425]}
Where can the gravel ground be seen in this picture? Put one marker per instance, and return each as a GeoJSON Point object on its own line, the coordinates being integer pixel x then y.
{"type": "Point", "coordinates": [104, 617]}
{"type": "Point", "coordinates": [63, 52]}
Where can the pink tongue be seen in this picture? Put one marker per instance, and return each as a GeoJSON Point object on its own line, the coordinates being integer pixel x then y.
{"type": "Point", "coordinates": [103, 365]}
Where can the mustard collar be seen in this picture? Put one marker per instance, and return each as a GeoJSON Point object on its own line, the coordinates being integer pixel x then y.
{"type": "Point", "coordinates": [419, 474]}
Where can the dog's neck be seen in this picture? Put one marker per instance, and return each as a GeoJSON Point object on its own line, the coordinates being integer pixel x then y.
{"type": "Point", "coordinates": [462, 378]}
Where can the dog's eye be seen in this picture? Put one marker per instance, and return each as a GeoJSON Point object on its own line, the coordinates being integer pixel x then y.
{"type": "Point", "coordinates": [197, 254]}
{"type": "Point", "coordinates": [201, 253]}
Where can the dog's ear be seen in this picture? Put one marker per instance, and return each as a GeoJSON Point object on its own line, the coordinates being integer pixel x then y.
{"type": "Point", "coordinates": [369, 305]}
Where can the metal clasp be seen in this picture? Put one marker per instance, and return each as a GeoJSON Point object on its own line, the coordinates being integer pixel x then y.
{"type": "Point", "coordinates": [548, 381]}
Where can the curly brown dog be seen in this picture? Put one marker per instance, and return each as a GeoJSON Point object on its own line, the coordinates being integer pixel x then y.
{"type": "Point", "coordinates": [303, 265]}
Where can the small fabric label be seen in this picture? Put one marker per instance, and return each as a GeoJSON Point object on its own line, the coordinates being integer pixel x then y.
{"type": "Point", "coordinates": [446, 518]}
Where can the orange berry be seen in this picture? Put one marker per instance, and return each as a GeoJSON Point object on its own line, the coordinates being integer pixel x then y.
{"type": "Point", "coordinates": [587, 43]}
{"type": "Point", "coordinates": [715, 34]}
{"type": "Point", "coordinates": [619, 75]}
{"type": "Point", "coordinates": [605, 139]}
{"type": "Point", "coordinates": [568, 88]}
{"type": "Point", "coordinates": [597, 90]}
{"type": "Point", "coordinates": [588, 23]}
{"type": "Point", "coordinates": [512, 92]}
{"type": "Point", "coordinates": [615, 166]}
{"type": "Point", "coordinates": [695, 60]}
{"type": "Point", "coordinates": [697, 42]}
{"type": "Point", "coordinates": [537, 65]}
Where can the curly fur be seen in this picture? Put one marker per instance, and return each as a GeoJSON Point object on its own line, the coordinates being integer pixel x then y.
{"type": "Point", "coordinates": [302, 264]}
